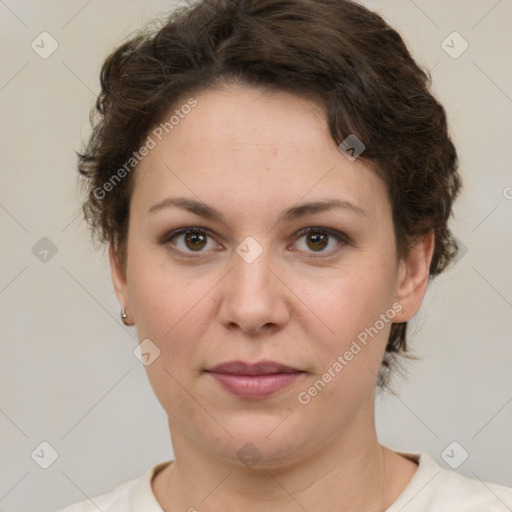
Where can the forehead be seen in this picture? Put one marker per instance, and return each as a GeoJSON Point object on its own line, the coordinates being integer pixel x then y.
{"type": "Point", "coordinates": [254, 146]}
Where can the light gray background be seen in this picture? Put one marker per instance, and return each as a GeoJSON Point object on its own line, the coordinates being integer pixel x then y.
{"type": "Point", "coordinates": [68, 375]}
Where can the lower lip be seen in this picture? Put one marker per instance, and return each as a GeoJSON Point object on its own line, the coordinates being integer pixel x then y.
{"type": "Point", "coordinates": [255, 386]}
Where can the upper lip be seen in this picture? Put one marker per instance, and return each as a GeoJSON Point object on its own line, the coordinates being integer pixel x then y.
{"type": "Point", "coordinates": [259, 368]}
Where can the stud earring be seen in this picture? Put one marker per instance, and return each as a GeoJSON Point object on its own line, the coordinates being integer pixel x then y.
{"type": "Point", "coordinates": [124, 316]}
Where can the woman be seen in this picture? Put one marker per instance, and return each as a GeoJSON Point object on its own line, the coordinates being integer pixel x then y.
{"type": "Point", "coordinates": [274, 180]}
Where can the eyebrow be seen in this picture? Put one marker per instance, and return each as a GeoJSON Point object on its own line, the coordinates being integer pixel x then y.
{"type": "Point", "coordinates": [203, 210]}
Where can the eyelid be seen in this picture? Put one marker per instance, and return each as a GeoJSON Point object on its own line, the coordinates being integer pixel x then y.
{"type": "Point", "coordinates": [334, 233]}
{"type": "Point", "coordinates": [330, 231]}
{"type": "Point", "coordinates": [343, 238]}
{"type": "Point", "coordinates": [168, 236]}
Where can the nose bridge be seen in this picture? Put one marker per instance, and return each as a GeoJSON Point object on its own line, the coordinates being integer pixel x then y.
{"type": "Point", "coordinates": [251, 267]}
{"type": "Point", "coordinates": [252, 294]}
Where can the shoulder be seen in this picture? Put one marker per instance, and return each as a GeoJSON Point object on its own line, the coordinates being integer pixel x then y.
{"type": "Point", "coordinates": [135, 494]}
{"type": "Point", "coordinates": [460, 492]}
{"type": "Point", "coordinates": [115, 500]}
{"type": "Point", "coordinates": [436, 489]}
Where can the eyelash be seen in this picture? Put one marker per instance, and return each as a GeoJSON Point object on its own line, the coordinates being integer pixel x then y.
{"type": "Point", "coordinates": [342, 238]}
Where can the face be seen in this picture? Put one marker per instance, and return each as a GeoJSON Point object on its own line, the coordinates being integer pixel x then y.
{"type": "Point", "coordinates": [263, 277]}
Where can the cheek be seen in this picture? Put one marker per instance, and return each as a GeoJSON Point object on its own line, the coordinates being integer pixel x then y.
{"type": "Point", "coordinates": [352, 303]}
{"type": "Point", "coordinates": [171, 309]}
{"type": "Point", "coordinates": [171, 304]}
{"type": "Point", "coordinates": [348, 359]}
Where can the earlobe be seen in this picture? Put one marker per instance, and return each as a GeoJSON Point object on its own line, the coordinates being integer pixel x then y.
{"type": "Point", "coordinates": [413, 275]}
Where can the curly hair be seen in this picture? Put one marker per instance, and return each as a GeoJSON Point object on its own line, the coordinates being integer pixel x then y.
{"type": "Point", "coordinates": [336, 52]}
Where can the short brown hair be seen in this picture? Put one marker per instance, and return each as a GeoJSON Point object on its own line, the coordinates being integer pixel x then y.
{"type": "Point", "coordinates": [335, 51]}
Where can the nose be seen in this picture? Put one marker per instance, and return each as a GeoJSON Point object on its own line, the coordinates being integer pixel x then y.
{"type": "Point", "coordinates": [254, 299]}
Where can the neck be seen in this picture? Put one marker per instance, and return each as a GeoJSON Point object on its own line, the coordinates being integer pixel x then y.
{"type": "Point", "coordinates": [348, 473]}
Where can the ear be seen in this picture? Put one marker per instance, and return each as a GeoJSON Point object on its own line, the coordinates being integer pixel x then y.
{"type": "Point", "coordinates": [413, 275]}
{"type": "Point", "coordinates": [118, 277]}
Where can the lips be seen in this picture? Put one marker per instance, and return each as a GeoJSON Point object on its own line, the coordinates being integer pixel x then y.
{"type": "Point", "coordinates": [254, 381]}
{"type": "Point", "coordinates": [260, 368]}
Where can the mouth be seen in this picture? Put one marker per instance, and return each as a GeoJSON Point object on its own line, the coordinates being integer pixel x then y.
{"type": "Point", "coordinates": [254, 381]}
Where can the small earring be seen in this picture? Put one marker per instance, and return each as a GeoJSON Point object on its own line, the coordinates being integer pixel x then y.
{"type": "Point", "coordinates": [124, 316]}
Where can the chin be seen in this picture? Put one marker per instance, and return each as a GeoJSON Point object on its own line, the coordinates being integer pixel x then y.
{"type": "Point", "coordinates": [261, 440]}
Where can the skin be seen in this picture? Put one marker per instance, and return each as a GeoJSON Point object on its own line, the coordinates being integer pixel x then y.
{"type": "Point", "coordinates": [252, 154]}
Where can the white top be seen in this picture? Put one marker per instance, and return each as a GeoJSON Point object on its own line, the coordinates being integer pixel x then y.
{"type": "Point", "coordinates": [431, 489]}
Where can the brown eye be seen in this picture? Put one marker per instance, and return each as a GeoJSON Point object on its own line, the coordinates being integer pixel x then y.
{"type": "Point", "coordinates": [320, 240]}
{"type": "Point", "coordinates": [195, 241]}
{"type": "Point", "coordinates": [317, 241]}
{"type": "Point", "coordinates": [189, 240]}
